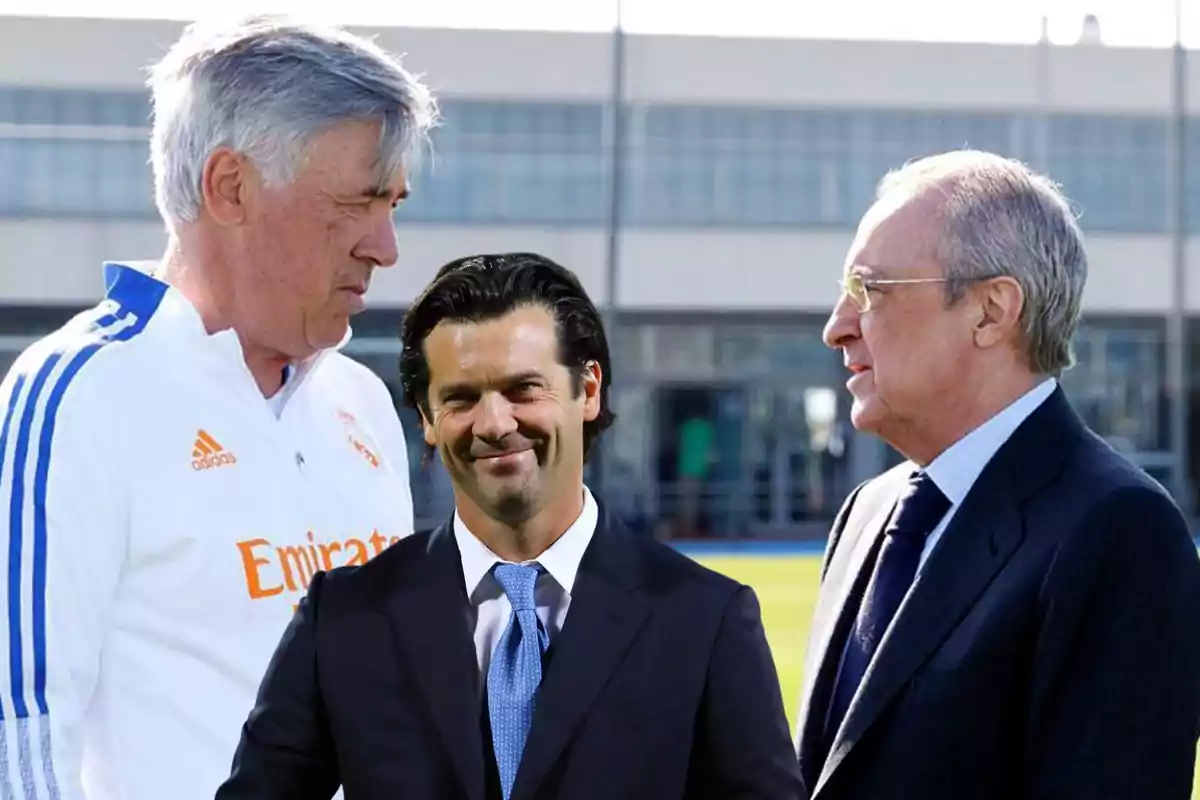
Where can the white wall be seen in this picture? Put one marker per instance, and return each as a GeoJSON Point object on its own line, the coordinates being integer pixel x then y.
{"type": "Point", "coordinates": [60, 262]}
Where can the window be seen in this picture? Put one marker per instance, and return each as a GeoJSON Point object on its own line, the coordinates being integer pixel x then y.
{"type": "Point", "coordinates": [29, 106]}
{"type": "Point", "coordinates": [1113, 169]}
{"type": "Point", "coordinates": [83, 152]}
{"type": "Point", "coordinates": [1118, 384]}
{"type": "Point", "coordinates": [75, 177]}
{"type": "Point", "coordinates": [74, 152]}
{"type": "Point", "coordinates": [1191, 185]}
{"type": "Point", "coordinates": [513, 162]}
{"type": "Point", "coordinates": [803, 167]}
{"type": "Point", "coordinates": [885, 140]}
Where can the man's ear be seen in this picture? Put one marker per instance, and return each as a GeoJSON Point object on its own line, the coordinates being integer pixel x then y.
{"type": "Point", "coordinates": [1000, 301]}
{"type": "Point", "coordinates": [592, 380]}
{"type": "Point", "coordinates": [426, 426]}
{"type": "Point", "coordinates": [224, 182]}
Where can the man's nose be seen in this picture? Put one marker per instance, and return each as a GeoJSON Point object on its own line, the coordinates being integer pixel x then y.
{"type": "Point", "coordinates": [493, 417]}
{"type": "Point", "coordinates": [379, 246]}
{"type": "Point", "coordinates": [842, 325]}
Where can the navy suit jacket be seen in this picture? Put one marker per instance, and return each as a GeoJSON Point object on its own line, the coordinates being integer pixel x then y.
{"type": "Point", "coordinates": [1050, 648]}
{"type": "Point", "coordinates": [659, 686]}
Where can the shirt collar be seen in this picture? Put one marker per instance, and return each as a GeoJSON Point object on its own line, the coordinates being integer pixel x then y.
{"type": "Point", "coordinates": [561, 560]}
{"type": "Point", "coordinates": [131, 282]}
{"type": "Point", "coordinates": [956, 470]}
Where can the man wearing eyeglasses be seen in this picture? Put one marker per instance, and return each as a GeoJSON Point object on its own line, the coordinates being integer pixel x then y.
{"type": "Point", "coordinates": [1012, 612]}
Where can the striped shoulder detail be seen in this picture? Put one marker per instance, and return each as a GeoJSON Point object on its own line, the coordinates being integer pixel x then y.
{"type": "Point", "coordinates": [30, 399]}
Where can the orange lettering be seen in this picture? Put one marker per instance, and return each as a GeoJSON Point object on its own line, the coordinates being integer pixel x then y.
{"type": "Point", "coordinates": [377, 541]}
{"type": "Point", "coordinates": [251, 564]}
{"type": "Point", "coordinates": [303, 562]}
{"type": "Point", "coordinates": [359, 557]}
{"type": "Point", "coordinates": [326, 549]}
{"type": "Point", "coordinates": [393, 540]}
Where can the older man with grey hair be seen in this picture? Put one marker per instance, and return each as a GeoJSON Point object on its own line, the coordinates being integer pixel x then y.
{"type": "Point", "coordinates": [1011, 613]}
{"type": "Point", "coordinates": [181, 459]}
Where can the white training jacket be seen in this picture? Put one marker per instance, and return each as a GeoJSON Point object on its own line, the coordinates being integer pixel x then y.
{"type": "Point", "coordinates": [159, 520]}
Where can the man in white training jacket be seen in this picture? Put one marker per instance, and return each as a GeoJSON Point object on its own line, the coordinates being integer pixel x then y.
{"type": "Point", "coordinates": [177, 462]}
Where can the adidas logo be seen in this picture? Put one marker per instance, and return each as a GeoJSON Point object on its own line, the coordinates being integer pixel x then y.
{"type": "Point", "coordinates": [207, 453]}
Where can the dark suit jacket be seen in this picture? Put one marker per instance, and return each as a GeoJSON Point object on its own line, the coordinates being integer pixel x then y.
{"type": "Point", "coordinates": [659, 686]}
{"type": "Point", "coordinates": [1049, 649]}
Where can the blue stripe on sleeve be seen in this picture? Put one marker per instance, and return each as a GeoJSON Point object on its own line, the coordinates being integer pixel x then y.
{"type": "Point", "coordinates": [138, 298]}
{"type": "Point", "coordinates": [13, 632]}
{"type": "Point", "coordinates": [16, 538]}
{"type": "Point", "coordinates": [133, 301]}
{"type": "Point", "coordinates": [40, 480]}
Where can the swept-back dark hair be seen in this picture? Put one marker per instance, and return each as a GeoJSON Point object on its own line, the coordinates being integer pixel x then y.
{"type": "Point", "coordinates": [484, 287]}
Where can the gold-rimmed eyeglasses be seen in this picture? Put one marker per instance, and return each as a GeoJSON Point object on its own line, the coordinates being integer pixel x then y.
{"type": "Point", "coordinates": [858, 287]}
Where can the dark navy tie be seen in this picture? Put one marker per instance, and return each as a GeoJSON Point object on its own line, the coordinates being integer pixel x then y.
{"type": "Point", "coordinates": [920, 509]}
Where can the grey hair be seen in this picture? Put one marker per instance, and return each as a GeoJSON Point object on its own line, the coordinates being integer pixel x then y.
{"type": "Point", "coordinates": [264, 86]}
{"type": "Point", "coordinates": [999, 217]}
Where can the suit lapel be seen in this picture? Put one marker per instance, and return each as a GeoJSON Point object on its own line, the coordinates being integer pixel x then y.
{"type": "Point", "coordinates": [429, 613]}
{"type": "Point", "coordinates": [849, 572]}
{"type": "Point", "coordinates": [604, 618]}
{"type": "Point", "coordinates": [980, 539]}
{"type": "Point", "coordinates": [978, 542]}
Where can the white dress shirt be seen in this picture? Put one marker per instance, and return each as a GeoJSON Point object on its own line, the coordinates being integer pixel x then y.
{"type": "Point", "coordinates": [956, 470]}
{"type": "Point", "coordinates": [490, 609]}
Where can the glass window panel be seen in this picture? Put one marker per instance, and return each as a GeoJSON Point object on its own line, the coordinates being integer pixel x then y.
{"type": "Point", "coordinates": [75, 176]}
{"type": "Point", "coordinates": [12, 186]}
{"type": "Point", "coordinates": [1192, 175]}
{"type": "Point", "coordinates": [42, 175]}
{"type": "Point", "coordinates": [1113, 168]}
{"type": "Point", "coordinates": [513, 162]}
{"type": "Point", "coordinates": [124, 181]}
{"type": "Point", "coordinates": [35, 107]}
{"type": "Point", "coordinates": [39, 106]}
{"type": "Point", "coordinates": [1118, 385]}
{"type": "Point", "coordinates": [760, 351]}
{"type": "Point", "coordinates": [74, 179]}
{"type": "Point", "coordinates": [533, 162]}
{"type": "Point", "coordinates": [8, 105]}
{"type": "Point", "coordinates": [683, 350]}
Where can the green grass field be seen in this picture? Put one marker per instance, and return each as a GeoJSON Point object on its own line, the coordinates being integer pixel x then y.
{"type": "Point", "coordinates": [787, 588]}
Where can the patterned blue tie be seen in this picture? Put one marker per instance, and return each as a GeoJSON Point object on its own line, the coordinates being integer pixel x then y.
{"type": "Point", "coordinates": [515, 671]}
{"type": "Point", "coordinates": [920, 509]}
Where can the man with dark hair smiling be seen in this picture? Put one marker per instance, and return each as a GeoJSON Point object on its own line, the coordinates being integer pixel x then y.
{"type": "Point", "coordinates": [448, 667]}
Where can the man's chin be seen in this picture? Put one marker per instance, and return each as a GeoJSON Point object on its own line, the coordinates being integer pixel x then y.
{"type": "Point", "coordinates": [864, 415]}
{"type": "Point", "coordinates": [335, 334]}
{"type": "Point", "coordinates": [512, 508]}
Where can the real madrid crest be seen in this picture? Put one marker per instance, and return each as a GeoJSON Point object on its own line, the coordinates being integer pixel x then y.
{"type": "Point", "coordinates": [359, 439]}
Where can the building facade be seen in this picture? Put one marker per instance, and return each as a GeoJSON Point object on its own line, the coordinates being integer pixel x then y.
{"type": "Point", "coordinates": [745, 167]}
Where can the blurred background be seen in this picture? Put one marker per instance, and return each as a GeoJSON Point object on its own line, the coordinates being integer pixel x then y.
{"type": "Point", "coordinates": [702, 170]}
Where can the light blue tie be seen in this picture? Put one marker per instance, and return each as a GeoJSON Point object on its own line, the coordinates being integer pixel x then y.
{"type": "Point", "coordinates": [515, 671]}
